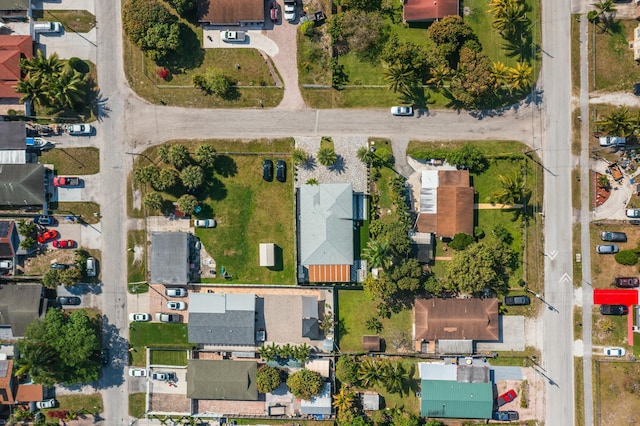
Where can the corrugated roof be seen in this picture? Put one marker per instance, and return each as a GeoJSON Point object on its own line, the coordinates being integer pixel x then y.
{"type": "Point", "coordinates": [326, 224]}
{"type": "Point", "coordinates": [169, 258]}
{"type": "Point", "coordinates": [320, 404]}
{"type": "Point", "coordinates": [456, 319]}
{"type": "Point", "coordinates": [222, 379]}
{"type": "Point", "coordinates": [436, 371]}
{"type": "Point", "coordinates": [329, 273]}
{"type": "Point", "coordinates": [21, 185]}
{"type": "Point", "coordinates": [230, 12]}
{"type": "Point", "coordinates": [429, 10]}
{"type": "Point", "coordinates": [451, 399]}
{"type": "Point", "coordinates": [222, 319]}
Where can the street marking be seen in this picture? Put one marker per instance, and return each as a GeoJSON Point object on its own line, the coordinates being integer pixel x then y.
{"type": "Point", "coordinates": [552, 254]}
{"type": "Point", "coordinates": [565, 278]}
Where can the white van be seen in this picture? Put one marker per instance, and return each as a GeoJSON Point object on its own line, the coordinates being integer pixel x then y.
{"type": "Point", "coordinates": [6, 264]}
{"type": "Point", "coordinates": [47, 27]}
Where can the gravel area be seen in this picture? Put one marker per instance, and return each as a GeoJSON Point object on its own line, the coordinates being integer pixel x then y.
{"type": "Point", "coordinates": [347, 169]}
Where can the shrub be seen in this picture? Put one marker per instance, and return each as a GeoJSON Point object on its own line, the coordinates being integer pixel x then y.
{"type": "Point", "coordinates": [626, 257]}
{"type": "Point", "coordinates": [162, 73]}
{"type": "Point", "coordinates": [268, 379]}
{"type": "Point", "coordinates": [461, 241]}
{"type": "Point", "coordinates": [78, 64]}
{"type": "Point", "coordinates": [152, 27]}
{"type": "Point", "coordinates": [347, 370]}
{"type": "Point", "coordinates": [305, 384]}
{"type": "Point", "coordinates": [214, 82]}
{"type": "Point", "coordinates": [306, 28]}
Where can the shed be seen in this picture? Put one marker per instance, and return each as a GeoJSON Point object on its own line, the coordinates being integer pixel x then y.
{"type": "Point", "coordinates": [371, 343]}
{"type": "Point", "coordinates": [267, 254]}
{"type": "Point", "coordinates": [370, 401]}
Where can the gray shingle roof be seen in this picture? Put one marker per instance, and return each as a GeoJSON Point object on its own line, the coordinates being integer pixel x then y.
{"type": "Point", "coordinates": [21, 185]}
{"type": "Point", "coordinates": [326, 224]}
{"type": "Point", "coordinates": [19, 305]}
{"type": "Point", "coordinates": [222, 379]}
{"type": "Point", "coordinates": [169, 258]}
{"type": "Point", "coordinates": [13, 135]}
{"type": "Point", "coordinates": [222, 319]}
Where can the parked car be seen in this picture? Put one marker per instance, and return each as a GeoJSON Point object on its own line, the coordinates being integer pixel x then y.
{"type": "Point", "coordinates": [139, 317]}
{"type": "Point", "coordinates": [614, 310]}
{"type": "Point", "coordinates": [204, 223]}
{"type": "Point", "coordinates": [80, 129]}
{"type": "Point", "coordinates": [607, 248]}
{"type": "Point", "coordinates": [636, 89]}
{"type": "Point", "coordinates": [267, 170]}
{"type": "Point", "coordinates": [176, 306]}
{"type": "Point", "coordinates": [281, 170]}
{"type": "Point", "coordinates": [48, 235]}
{"type": "Point", "coordinates": [44, 220]}
{"type": "Point", "coordinates": [6, 264]}
{"type": "Point", "coordinates": [162, 317]}
{"type": "Point", "coordinates": [163, 375]}
{"type": "Point", "coordinates": [47, 27]}
{"type": "Point", "coordinates": [69, 300]}
{"type": "Point", "coordinates": [58, 266]}
{"type": "Point", "coordinates": [612, 141]}
{"type": "Point", "coordinates": [633, 212]}
{"type": "Point", "coordinates": [137, 372]}
{"type": "Point", "coordinates": [273, 11]}
{"type": "Point", "coordinates": [616, 237]}
{"type": "Point", "coordinates": [47, 403]}
{"type": "Point", "coordinates": [66, 181]}
{"type": "Point", "coordinates": [634, 222]}
{"type": "Point", "coordinates": [506, 397]}
{"type": "Point", "coordinates": [91, 267]}
{"type": "Point", "coordinates": [289, 12]}
{"type": "Point", "coordinates": [231, 36]}
{"type": "Point", "coordinates": [614, 351]}
{"type": "Point", "coordinates": [62, 244]}
{"type": "Point", "coordinates": [517, 300]}
{"type": "Point", "coordinates": [401, 110]}
{"type": "Point", "coordinates": [506, 416]}
{"type": "Point", "coordinates": [175, 292]}
{"type": "Point", "coordinates": [627, 282]}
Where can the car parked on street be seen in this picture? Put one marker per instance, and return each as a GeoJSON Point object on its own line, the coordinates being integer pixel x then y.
{"type": "Point", "coordinates": [627, 282]}
{"type": "Point", "coordinates": [47, 403]}
{"type": "Point", "coordinates": [175, 292]}
{"type": "Point", "coordinates": [506, 397]}
{"type": "Point", "coordinates": [614, 351]}
{"type": "Point", "coordinates": [517, 300]}
{"type": "Point", "coordinates": [137, 372]}
{"type": "Point", "coordinates": [139, 317]}
{"type": "Point", "coordinates": [63, 244]}
{"type": "Point", "coordinates": [66, 181]}
{"type": "Point", "coordinates": [204, 223]}
{"type": "Point", "coordinates": [616, 237]}
{"type": "Point", "coordinates": [267, 170]}
{"type": "Point", "coordinates": [614, 310]}
{"type": "Point", "coordinates": [506, 416]}
{"type": "Point", "coordinates": [281, 171]}
{"type": "Point", "coordinates": [607, 248]}
{"type": "Point", "coordinates": [69, 300]}
{"type": "Point", "coordinates": [163, 317]}
{"type": "Point", "coordinates": [402, 110]}
{"type": "Point", "coordinates": [176, 306]}
{"type": "Point", "coordinates": [47, 235]}
{"type": "Point", "coordinates": [633, 212]}
{"type": "Point", "coordinates": [91, 267]}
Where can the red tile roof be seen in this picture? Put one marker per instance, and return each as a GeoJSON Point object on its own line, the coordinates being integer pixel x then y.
{"type": "Point", "coordinates": [22, 43]}
{"type": "Point", "coordinates": [29, 393]}
{"type": "Point", "coordinates": [429, 10]}
{"type": "Point", "coordinates": [6, 382]}
{"type": "Point", "coordinates": [9, 65]}
{"type": "Point", "coordinates": [12, 48]}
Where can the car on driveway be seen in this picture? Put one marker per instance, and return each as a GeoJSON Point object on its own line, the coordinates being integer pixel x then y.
{"type": "Point", "coordinates": [138, 317]}
{"type": "Point", "coordinates": [614, 351]}
{"type": "Point", "coordinates": [231, 36]}
{"type": "Point", "coordinates": [290, 12]}
{"type": "Point", "coordinates": [506, 397]}
{"type": "Point", "coordinates": [176, 306]}
{"type": "Point", "coordinates": [91, 267]}
{"type": "Point", "coordinates": [273, 11]}
{"type": "Point", "coordinates": [80, 129]}
{"type": "Point", "coordinates": [616, 237]}
{"type": "Point", "coordinates": [401, 110]}
{"type": "Point", "coordinates": [175, 292]}
{"type": "Point", "coordinates": [633, 212]}
{"type": "Point", "coordinates": [137, 372]}
{"type": "Point", "coordinates": [204, 223]}
{"type": "Point", "coordinates": [267, 170]}
{"type": "Point", "coordinates": [163, 317]}
{"type": "Point", "coordinates": [44, 220]}
{"type": "Point", "coordinates": [62, 244]}
{"type": "Point", "coordinates": [47, 403]}
{"type": "Point", "coordinates": [614, 310]}
{"type": "Point", "coordinates": [69, 300]}
{"type": "Point", "coordinates": [163, 376]}
{"type": "Point", "coordinates": [607, 248]}
{"type": "Point", "coordinates": [517, 300]}
{"type": "Point", "coordinates": [66, 181]}
{"type": "Point", "coordinates": [58, 266]}
{"type": "Point", "coordinates": [627, 282]}
{"type": "Point", "coordinates": [506, 416]}
{"type": "Point", "coordinates": [281, 171]}
{"type": "Point", "coordinates": [47, 235]}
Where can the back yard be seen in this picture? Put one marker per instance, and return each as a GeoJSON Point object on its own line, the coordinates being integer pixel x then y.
{"type": "Point", "coordinates": [617, 393]}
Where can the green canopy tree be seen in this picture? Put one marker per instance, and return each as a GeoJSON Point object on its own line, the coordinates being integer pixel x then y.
{"type": "Point", "coordinates": [344, 400]}
{"type": "Point", "coordinates": [206, 155]}
{"type": "Point", "coordinates": [347, 369]}
{"type": "Point", "coordinates": [187, 203]}
{"type": "Point", "coordinates": [399, 77]}
{"type": "Point", "coordinates": [305, 384]}
{"type": "Point", "coordinates": [617, 123]}
{"type": "Point", "coordinates": [167, 178]}
{"type": "Point", "coordinates": [512, 189]}
{"type": "Point", "coordinates": [152, 201]}
{"type": "Point", "coordinates": [179, 155]}
{"type": "Point", "coordinates": [192, 177]}
{"type": "Point", "coordinates": [268, 378]}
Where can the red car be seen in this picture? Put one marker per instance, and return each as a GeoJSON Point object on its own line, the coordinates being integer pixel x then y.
{"type": "Point", "coordinates": [64, 244]}
{"type": "Point", "coordinates": [66, 181]}
{"type": "Point", "coordinates": [273, 11]}
{"type": "Point", "coordinates": [506, 397]}
{"type": "Point", "coordinates": [47, 236]}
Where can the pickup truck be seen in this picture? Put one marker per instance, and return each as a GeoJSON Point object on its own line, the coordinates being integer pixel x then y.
{"type": "Point", "coordinates": [66, 181]}
{"type": "Point", "coordinates": [230, 36]}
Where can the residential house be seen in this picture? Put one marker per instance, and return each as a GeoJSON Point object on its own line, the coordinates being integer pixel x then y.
{"type": "Point", "coordinates": [22, 186]}
{"type": "Point", "coordinates": [222, 319]}
{"type": "Point", "coordinates": [15, 10]}
{"type": "Point", "coordinates": [222, 380]}
{"type": "Point", "coordinates": [20, 304]}
{"type": "Point", "coordinates": [231, 12]}
{"type": "Point", "coordinates": [170, 259]}
{"type": "Point", "coordinates": [12, 49]}
{"type": "Point", "coordinates": [446, 203]}
{"type": "Point", "coordinates": [452, 325]}
{"type": "Point", "coordinates": [455, 391]}
{"type": "Point", "coordinates": [9, 240]}
{"type": "Point", "coordinates": [325, 224]}
{"type": "Point", "coordinates": [429, 10]}
{"type": "Point", "coordinates": [13, 147]}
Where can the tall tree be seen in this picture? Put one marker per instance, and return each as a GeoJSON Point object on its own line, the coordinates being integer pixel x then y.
{"type": "Point", "coordinates": [617, 123]}
{"type": "Point", "coordinates": [344, 400]}
{"type": "Point", "coordinates": [179, 155]}
{"type": "Point", "coordinates": [378, 253]}
{"type": "Point", "coordinates": [305, 384]}
{"type": "Point", "coordinates": [394, 376]}
{"type": "Point", "coordinates": [327, 156]}
{"type": "Point", "coordinates": [512, 189]}
{"type": "Point", "coordinates": [439, 75]}
{"type": "Point", "coordinates": [369, 373]}
{"type": "Point", "coordinates": [365, 155]}
{"type": "Point", "coordinates": [399, 77]}
{"type": "Point", "coordinates": [206, 155]}
{"type": "Point", "coordinates": [520, 77]}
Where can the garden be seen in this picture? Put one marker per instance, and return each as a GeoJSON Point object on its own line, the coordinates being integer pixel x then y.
{"type": "Point", "coordinates": [223, 180]}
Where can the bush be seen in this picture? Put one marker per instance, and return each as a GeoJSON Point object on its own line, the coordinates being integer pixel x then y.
{"type": "Point", "coordinates": [461, 241]}
{"type": "Point", "coordinates": [78, 64]}
{"type": "Point", "coordinates": [151, 27]}
{"type": "Point", "coordinates": [626, 257]}
{"type": "Point", "coordinates": [305, 384]}
{"type": "Point", "coordinates": [214, 82]}
{"type": "Point", "coordinates": [268, 379]}
{"type": "Point", "coordinates": [347, 370]}
{"type": "Point", "coordinates": [306, 28]}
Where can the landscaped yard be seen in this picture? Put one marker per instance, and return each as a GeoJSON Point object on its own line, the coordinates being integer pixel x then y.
{"type": "Point", "coordinates": [136, 404]}
{"type": "Point", "coordinates": [156, 335]}
{"type": "Point", "coordinates": [73, 161]}
{"type": "Point", "coordinates": [91, 402]}
{"type": "Point", "coordinates": [88, 211]}
{"type": "Point", "coordinates": [79, 21]}
{"type": "Point", "coordinates": [614, 63]}
{"type": "Point", "coordinates": [609, 330]}
{"type": "Point", "coordinates": [248, 210]}
{"type": "Point", "coordinates": [354, 309]}
{"type": "Point", "coordinates": [167, 357]}
{"type": "Point", "coordinates": [604, 268]}
{"type": "Point", "coordinates": [617, 393]}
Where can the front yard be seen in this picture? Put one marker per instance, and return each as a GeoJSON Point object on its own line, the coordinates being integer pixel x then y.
{"type": "Point", "coordinates": [155, 335]}
{"type": "Point", "coordinates": [615, 68]}
{"type": "Point", "coordinates": [604, 268]}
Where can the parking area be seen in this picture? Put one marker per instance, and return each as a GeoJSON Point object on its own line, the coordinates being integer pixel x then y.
{"type": "Point", "coordinates": [254, 40]}
{"type": "Point", "coordinates": [158, 302]}
{"type": "Point", "coordinates": [512, 333]}
{"type": "Point", "coordinates": [68, 44]}
{"type": "Point", "coordinates": [88, 190]}
{"type": "Point", "coordinates": [178, 386]}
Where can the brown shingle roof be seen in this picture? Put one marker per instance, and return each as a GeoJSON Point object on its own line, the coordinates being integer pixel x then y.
{"type": "Point", "coordinates": [371, 343]}
{"type": "Point", "coordinates": [429, 10]}
{"type": "Point", "coordinates": [456, 319]}
{"type": "Point", "coordinates": [230, 12]}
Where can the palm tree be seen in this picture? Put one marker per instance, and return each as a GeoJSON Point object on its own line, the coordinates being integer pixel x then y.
{"type": "Point", "coordinates": [512, 189]}
{"type": "Point", "coordinates": [344, 400]}
{"type": "Point", "coordinates": [302, 353]}
{"type": "Point", "coordinates": [67, 90]}
{"type": "Point", "coordinates": [500, 73]}
{"type": "Point", "coordinates": [269, 353]}
{"type": "Point", "coordinates": [365, 155]}
{"type": "Point", "coordinates": [394, 374]}
{"type": "Point", "coordinates": [399, 77]}
{"type": "Point", "coordinates": [286, 351]}
{"type": "Point", "coordinates": [378, 253]}
{"type": "Point", "coordinates": [327, 156]}
{"type": "Point", "coordinates": [520, 76]}
{"type": "Point", "coordinates": [32, 91]}
{"type": "Point", "coordinates": [41, 66]}
{"type": "Point", "coordinates": [605, 13]}
{"type": "Point", "coordinates": [617, 123]}
{"type": "Point", "coordinates": [369, 373]}
{"type": "Point", "coordinates": [439, 75]}
{"type": "Point", "coordinates": [510, 19]}
{"type": "Point", "coordinates": [39, 361]}
{"type": "Point", "coordinates": [299, 156]}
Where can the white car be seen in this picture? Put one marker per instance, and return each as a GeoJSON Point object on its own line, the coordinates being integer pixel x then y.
{"type": "Point", "coordinates": [176, 306]}
{"type": "Point", "coordinates": [289, 12]}
{"type": "Point", "coordinates": [231, 36]}
{"type": "Point", "coordinates": [140, 317]}
{"type": "Point", "coordinates": [47, 403]}
{"type": "Point", "coordinates": [163, 376]}
{"type": "Point", "coordinates": [401, 110]}
{"type": "Point", "coordinates": [80, 129]}
{"type": "Point", "coordinates": [204, 223]}
{"type": "Point", "coordinates": [175, 292]}
{"type": "Point", "coordinates": [614, 352]}
{"type": "Point", "coordinates": [138, 372]}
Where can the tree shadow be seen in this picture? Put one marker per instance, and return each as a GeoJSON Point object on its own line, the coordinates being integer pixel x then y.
{"type": "Point", "coordinates": [338, 166]}
{"type": "Point", "coordinates": [310, 163]}
{"type": "Point", "coordinates": [216, 190]}
{"type": "Point", "coordinates": [189, 56]}
{"type": "Point", "coordinates": [225, 166]}
{"type": "Point", "coordinates": [99, 106]}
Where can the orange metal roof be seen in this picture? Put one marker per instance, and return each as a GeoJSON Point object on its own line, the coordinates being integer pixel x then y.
{"type": "Point", "coordinates": [29, 393]}
{"type": "Point", "coordinates": [429, 10]}
{"type": "Point", "coordinates": [329, 273]}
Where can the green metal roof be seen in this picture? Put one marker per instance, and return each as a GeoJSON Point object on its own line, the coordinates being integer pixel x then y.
{"type": "Point", "coordinates": [455, 400]}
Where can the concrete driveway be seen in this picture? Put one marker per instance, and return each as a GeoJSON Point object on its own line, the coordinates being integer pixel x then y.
{"type": "Point", "coordinates": [88, 191]}
{"type": "Point", "coordinates": [69, 44]}
{"type": "Point", "coordinates": [88, 5]}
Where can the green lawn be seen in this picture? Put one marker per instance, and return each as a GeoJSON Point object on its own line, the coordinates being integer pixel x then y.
{"type": "Point", "coordinates": [88, 211]}
{"type": "Point", "coordinates": [156, 335]}
{"type": "Point", "coordinates": [92, 402]}
{"type": "Point", "coordinates": [73, 161]}
{"type": "Point", "coordinates": [79, 21]}
{"type": "Point", "coordinates": [136, 404]}
{"type": "Point", "coordinates": [136, 270]}
{"type": "Point", "coordinates": [354, 309]}
{"type": "Point", "coordinates": [166, 357]}
{"type": "Point", "coordinates": [615, 66]}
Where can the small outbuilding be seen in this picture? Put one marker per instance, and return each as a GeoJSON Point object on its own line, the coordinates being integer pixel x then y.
{"type": "Point", "coordinates": [267, 254]}
{"type": "Point", "coordinates": [370, 401]}
{"type": "Point", "coordinates": [371, 343]}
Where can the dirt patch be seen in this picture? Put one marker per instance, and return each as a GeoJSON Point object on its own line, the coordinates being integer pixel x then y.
{"type": "Point", "coordinates": [604, 268]}
{"type": "Point", "coordinates": [601, 195]}
{"type": "Point", "coordinates": [137, 199]}
{"type": "Point", "coordinates": [530, 400]}
{"type": "Point", "coordinates": [41, 263]}
{"type": "Point", "coordinates": [617, 393]}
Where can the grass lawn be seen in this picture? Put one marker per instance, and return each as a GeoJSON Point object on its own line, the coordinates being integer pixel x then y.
{"type": "Point", "coordinates": [609, 330]}
{"type": "Point", "coordinates": [515, 358]}
{"type": "Point", "coordinates": [156, 335]}
{"type": "Point", "coordinates": [604, 268]}
{"type": "Point", "coordinates": [354, 309]}
{"type": "Point", "coordinates": [87, 210]}
{"type": "Point", "coordinates": [178, 89]}
{"type": "Point", "coordinates": [166, 357]}
{"type": "Point", "coordinates": [615, 67]}
{"type": "Point", "coordinates": [79, 21]}
{"type": "Point", "coordinates": [136, 404]}
{"type": "Point", "coordinates": [73, 161]}
{"type": "Point", "coordinates": [281, 422]}
{"type": "Point", "coordinates": [579, 389]}
{"type": "Point", "coordinates": [248, 211]}
{"type": "Point", "coordinates": [616, 393]}
{"type": "Point", "coordinates": [487, 220]}
{"type": "Point", "coordinates": [137, 270]}
{"type": "Point", "coordinates": [92, 402]}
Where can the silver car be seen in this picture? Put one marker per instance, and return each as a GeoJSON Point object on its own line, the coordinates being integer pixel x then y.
{"type": "Point", "coordinates": [401, 110]}
{"type": "Point", "coordinates": [205, 223]}
{"type": "Point", "coordinates": [176, 306]}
